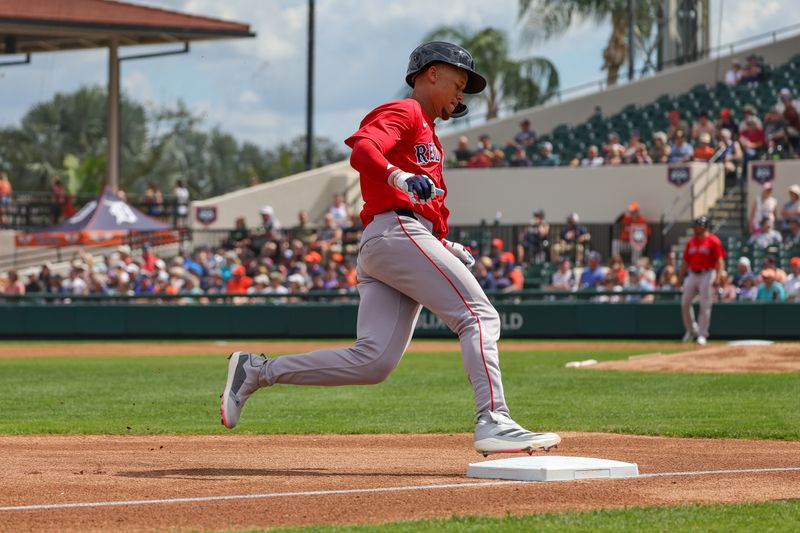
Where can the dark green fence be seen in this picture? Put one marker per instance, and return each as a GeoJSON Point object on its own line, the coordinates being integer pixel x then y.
{"type": "Point", "coordinates": [569, 319]}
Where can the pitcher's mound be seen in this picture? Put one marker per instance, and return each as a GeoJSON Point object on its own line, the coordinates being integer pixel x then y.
{"type": "Point", "coordinates": [772, 358]}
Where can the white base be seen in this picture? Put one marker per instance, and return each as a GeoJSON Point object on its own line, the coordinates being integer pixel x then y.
{"type": "Point", "coordinates": [750, 342]}
{"type": "Point", "coordinates": [552, 468]}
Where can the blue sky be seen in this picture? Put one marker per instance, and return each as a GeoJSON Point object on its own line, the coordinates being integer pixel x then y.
{"type": "Point", "coordinates": [255, 88]}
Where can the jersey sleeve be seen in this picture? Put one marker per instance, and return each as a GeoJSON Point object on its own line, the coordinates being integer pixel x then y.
{"type": "Point", "coordinates": [385, 125]}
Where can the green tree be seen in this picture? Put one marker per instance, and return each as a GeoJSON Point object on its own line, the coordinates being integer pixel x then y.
{"type": "Point", "coordinates": [517, 83]}
{"type": "Point", "coordinates": [543, 19]}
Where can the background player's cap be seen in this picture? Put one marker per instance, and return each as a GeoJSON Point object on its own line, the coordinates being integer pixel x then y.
{"type": "Point", "coordinates": [701, 221]}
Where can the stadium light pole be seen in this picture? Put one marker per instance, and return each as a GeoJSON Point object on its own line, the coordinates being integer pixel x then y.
{"type": "Point", "coordinates": [310, 90]}
{"type": "Point", "coordinates": [631, 36]}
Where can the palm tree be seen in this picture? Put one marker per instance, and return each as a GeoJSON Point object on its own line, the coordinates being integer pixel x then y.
{"type": "Point", "coordinates": [543, 19]}
{"type": "Point", "coordinates": [518, 83]}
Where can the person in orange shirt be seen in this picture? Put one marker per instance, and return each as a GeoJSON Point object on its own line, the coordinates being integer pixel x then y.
{"type": "Point", "coordinates": [703, 151]}
{"type": "Point", "coordinates": [239, 282]}
{"type": "Point", "coordinates": [623, 244]}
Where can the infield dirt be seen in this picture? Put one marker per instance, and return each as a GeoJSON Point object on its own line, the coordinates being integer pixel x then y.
{"type": "Point", "coordinates": [69, 469]}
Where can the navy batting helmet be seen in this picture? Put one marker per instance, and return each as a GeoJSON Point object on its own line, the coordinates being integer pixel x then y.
{"type": "Point", "coordinates": [702, 222]}
{"type": "Point", "coordinates": [440, 51]}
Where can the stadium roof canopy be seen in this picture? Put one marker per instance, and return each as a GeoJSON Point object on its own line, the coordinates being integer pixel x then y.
{"type": "Point", "coordinates": [34, 26]}
{"type": "Point", "coordinates": [30, 26]}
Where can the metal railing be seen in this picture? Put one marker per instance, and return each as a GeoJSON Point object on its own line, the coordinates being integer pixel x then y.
{"type": "Point", "coordinates": [692, 195]}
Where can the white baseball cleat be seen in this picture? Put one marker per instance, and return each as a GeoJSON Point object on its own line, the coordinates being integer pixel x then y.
{"type": "Point", "coordinates": [243, 370]}
{"type": "Point", "coordinates": [701, 340]}
{"type": "Point", "coordinates": [498, 433]}
{"type": "Point", "coordinates": [691, 334]}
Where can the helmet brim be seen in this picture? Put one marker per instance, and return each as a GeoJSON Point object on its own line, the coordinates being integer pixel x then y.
{"type": "Point", "coordinates": [475, 82]}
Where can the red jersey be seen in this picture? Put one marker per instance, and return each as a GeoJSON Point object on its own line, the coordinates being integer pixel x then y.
{"type": "Point", "coordinates": [625, 226]}
{"type": "Point", "coordinates": [703, 254]}
{"type": "Point", "coordinates": [405, 136]}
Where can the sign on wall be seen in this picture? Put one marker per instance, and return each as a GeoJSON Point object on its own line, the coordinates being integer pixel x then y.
{"type": "Point", "coordinates": [679, 175]}
{"type": "Point", "coordinates": [206, 215]}
{"type": "Point", "coordinates": [762, 172]}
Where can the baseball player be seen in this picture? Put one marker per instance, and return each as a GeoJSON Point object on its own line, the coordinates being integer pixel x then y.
{"type": "Point", "coordinates": [404, 262]}
{"type": "Point", "coordinates": [703, 261]}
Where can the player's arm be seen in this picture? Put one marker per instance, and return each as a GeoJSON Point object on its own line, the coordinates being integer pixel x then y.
{"type": "Point", "coordinates": [684, 268]}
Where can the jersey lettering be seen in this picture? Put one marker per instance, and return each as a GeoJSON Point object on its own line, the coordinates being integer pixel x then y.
{"type": "Point", "coordinates": [427, 153]}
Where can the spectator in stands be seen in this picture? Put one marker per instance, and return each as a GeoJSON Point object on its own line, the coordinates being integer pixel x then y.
{"type": "Point", "coordinates": [742, 270]}
{"type": "Point", "coordinates": [546, 157]}
{"type": "Point", "coordinates": [789, 108]}
{"type": "Point", "coordinates": [771, 263]}
{"type": "Point", "coordinates": [76, 284]}
{"type": "Point", "coordinates": [14, 286]}
{"type": "Point", "coordinates": [770, 290]}
{"type": "Point", "coordinates": [276, 286]}
{"type": "Point", "coordinates": [482, 275]}
{"type": "Point", "coordinates": [762, 207]}
{"type": "Point", "coordinates": [752, 139]}
{"type": "Point", "coordinates": [270, 226]}
{"type": "Point", "coordinates": [753, 71]}
{"type": "Point", "coordinates": [535, 240]}
{"type": "Point", "coordinates": [675, 124]}
{"type": "Point", "coordinates": [572, 240]}
{"type": "Point", "coordinates": [778, 146]}
{"type": "Point", "coordinates": [767, 235]}
{"type": "Point", "coordinates": [563, 279]}
{"type": "Point", "coordinates": [703, 151]}
{"type": "Point", "coordinates": [610, 285]}
{"type": "Point", "coordinates": [670, 260]}
{"type": "Point", "coordinates": [593, 157]}
{"type": "Point", "coordinates": [525, 137]}
{"type": "Point", "coordinates": [749, 289]}
{"type": "Point", "coordinates": [305, 231]}
{"type": "Point", "coordinates": [792, 238]}
{"type": "Point", "coordinates": [749, 112]}
{"type": "Point", "coordinates": [703, 125]}
{"type": "Point", "coordinates": [726, 122]}
{"type": "Point", "coordinates": [181, 194]}
{"type": "Point", "coordinates": [462, 152]}
{"type": "Point", "coordinates": [634, 142]}
{"type": "Point", "coordinates": [791, 209]}
{"type": "Point", "coordinates": [485, 143]}
{"type": "Point", "coordinates": [499, 158]}
{"type": "Point", "coordinates": [793, 280]}
{"type": "Point", "coordinates": [614, 157]}
{"type": "Point", "coordinates": [681, 150]}
{"type": "Point", "coordinates": [339, 211]}
{"type": "Point", "coordinates": [641, 280]}
{"type": "Point", "coordinates": [616, 268]}
{"type": "Point", "coordinates": [732, 156]}
{"type": "Point", "coordinates": [6, 191]}
{"type": "Point", "coordinates": [520, 158]}
{"type": "Point", "coordinates": [594, 273]}
{"type": "Point", "coordinates": [153, 200]}
{"type": "Point", "coordinates": [148, 258]}
{"type": "Point", "coordinates": [34, 284]}
{"type": "Point", "coordinates": [622, 245]}
{"type": "Point", "coordinates": [59, 199]}
{"type": "Point", "coordinates": [612, 145]}
{"type": "Point", "coordinates": [239, 281]}
{"type": "Point", "coordinates": [641, 157]}
{"type": "Point", "coordinates": [499, 256]}
{"type": "Point", "coordinates": [668, 279]}
{"type": "Point", "coordinates": [725, 291]}
{"type": "Point", "coordinates": [481, 159]}
{"type": "Point", "coordinates": [661, 150]}
{"type": "Point", "coordinates": [734, 75]}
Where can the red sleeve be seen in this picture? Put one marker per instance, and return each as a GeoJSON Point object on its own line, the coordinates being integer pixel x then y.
{"type": "Point", "coordinates": [367, 159]}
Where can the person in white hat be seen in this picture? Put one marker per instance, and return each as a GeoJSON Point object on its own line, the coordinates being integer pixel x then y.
{"type": "Point", "coordinates": [791, 209]}
{"type": "Point", "coordinates": [763, 207]}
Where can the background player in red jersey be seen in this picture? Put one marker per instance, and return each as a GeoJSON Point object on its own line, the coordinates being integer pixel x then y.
{"type": "Point", "coordinates": [703, 260]}
{"type": "Point", "coordinates": [404, 261]}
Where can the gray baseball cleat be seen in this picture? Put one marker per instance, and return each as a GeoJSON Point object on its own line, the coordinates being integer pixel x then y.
{"type": "Point", "coordinates": [498, 433]}
{"type": "Point", "coordinates": [243, 370]}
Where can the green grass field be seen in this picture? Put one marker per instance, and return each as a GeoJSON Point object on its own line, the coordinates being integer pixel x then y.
{"type": "Point", "coordinates": [427, 393]}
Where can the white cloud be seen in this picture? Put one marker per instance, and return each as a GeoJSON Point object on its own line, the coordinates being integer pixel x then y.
{"type": "Point", "coordinates": [249, 97]}
{"type": "Point", "coordinates": [136, 86]}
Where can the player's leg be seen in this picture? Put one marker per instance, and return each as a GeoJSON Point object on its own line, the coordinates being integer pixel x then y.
{"type": "Point", "coordinates": [409, 258]}
{"type": "Point", "coordinates": [386, 320]}
{"type": "Point", "coordinates": [706, 289]}
{"type": "Point", "coordinates": [690, 287]}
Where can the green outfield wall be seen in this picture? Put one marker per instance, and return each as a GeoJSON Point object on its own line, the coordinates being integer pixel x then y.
{"type": "Point", "coordinates": [322, 320]}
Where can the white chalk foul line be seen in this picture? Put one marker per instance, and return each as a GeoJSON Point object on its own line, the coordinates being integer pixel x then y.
{"type": "Point", "coordinates": [357, 491]}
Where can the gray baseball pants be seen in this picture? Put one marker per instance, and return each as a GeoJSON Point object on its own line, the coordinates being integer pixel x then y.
{"type": "Point", "coordinates": [401, 267]}
{"type": "Point", "coordinates": [702, 284]}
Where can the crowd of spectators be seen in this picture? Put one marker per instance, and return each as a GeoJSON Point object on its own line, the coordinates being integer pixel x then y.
{"type": "Point", "coordinates": [776, 136]}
